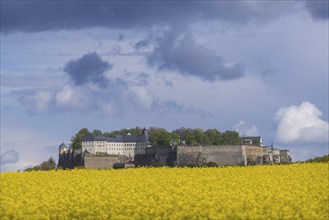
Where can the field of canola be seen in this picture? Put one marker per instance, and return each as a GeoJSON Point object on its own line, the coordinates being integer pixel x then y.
{"type": "Point", "coordinates": [297, 191]}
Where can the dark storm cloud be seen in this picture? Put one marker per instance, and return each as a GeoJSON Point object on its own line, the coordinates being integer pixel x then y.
{"type": "Point", "coordinates": [34, 16]}
{"type": "Point", "coordinates": [141, 44]}
{"type": "Point", "coordinates": [10, 156]}
{"type": "Point", "coordinates": [318, 8]}
{"type": "Point", "coordinates": [188, 58]}
{"type": "Point", "coordinates": [88, 68]}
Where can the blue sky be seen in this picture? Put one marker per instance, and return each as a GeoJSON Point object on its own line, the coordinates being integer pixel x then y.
{"type": "Point", "coordinates": [258, 67]}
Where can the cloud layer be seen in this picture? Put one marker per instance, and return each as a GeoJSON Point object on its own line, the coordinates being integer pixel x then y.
{"type": "Point", "coordinates": [10, 156]}
{"type": "Point", "coordinates": [182, 55]}
{"type": "Point", "coordinates": [89, 90]}
{"type": "Point", "coordinates": [318, 9]}
{"type": "Point", "coordinates": [187, 58]}
{"type": "Point", "coordinates": [35, 16]}
{"type": "Point", "coordinates": [301, 124]}
{"type": "Point", "coordinates": [88, 68]}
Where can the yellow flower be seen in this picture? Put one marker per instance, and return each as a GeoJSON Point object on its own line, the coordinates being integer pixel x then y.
{"type": "Point", "coordinates": [297, 191]}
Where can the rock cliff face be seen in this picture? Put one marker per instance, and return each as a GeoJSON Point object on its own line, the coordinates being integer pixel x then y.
{"type": "Point", "coordinates": [161, 156]}
{"type": "Point", "coordinates": [75, 158]}
{"type": "Point", "coordinates": [157, 156]}
{"type": "Point", "coordinates": [70, 159]}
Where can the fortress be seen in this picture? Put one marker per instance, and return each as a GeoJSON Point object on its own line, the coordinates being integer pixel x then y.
{"type": "Point", "coordinates": [129, 145]}
{"type": "Point", "coordinates": [103, 152]}
{"type": "Point", "coordinates": [135, 150]}
{"type": "Point", "coordinates": [250, 152]}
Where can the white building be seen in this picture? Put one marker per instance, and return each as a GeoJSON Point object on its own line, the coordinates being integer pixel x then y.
{"type": "Point", "coordinates": [128, 145]}
{"type": "Point", "coordinates": [252, 140]}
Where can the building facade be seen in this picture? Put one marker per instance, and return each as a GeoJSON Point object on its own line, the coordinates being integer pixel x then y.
{"type": "Point", "coordinates": [128, 145]}
{"type": "Point", "coordinates": [252, 140]}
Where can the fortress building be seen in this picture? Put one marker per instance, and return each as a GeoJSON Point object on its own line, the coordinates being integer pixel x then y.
{"type": "Point", "coordinates": [128, 145]}
{"type": "Point", "coordinates": [253, 140]}
{"type": "Point", "coordinates": [63, 149]}
{"type": "Point", "coordinates": [102, 153]}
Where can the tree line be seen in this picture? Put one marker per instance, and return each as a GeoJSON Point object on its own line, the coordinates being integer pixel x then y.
{"type": "Point", "coordinates": [323, 159]}
{"type": "Point", "coordinates": [162, 137]}
{"type": "Point", "coordinates": [49, 164]}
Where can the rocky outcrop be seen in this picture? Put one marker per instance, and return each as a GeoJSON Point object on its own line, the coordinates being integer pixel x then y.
{"type": "Point", "coordinates": [70, 159]}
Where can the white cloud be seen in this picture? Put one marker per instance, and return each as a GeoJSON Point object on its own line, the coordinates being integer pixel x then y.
{"type": "Point", "coordinates": [141, 96]}
{"type": "Point", "coordinates": [34, 101]}
{"type": "Point", "coordinates": [301, 124]}
{"type": "Point", "coordinates": [42, 100]}
{"type": "Point", "coordinates": [245, 129]}
{"type": "Point", "coordinates": [109, 108]}
{"type": "Point", "coordinates": [68, 96]}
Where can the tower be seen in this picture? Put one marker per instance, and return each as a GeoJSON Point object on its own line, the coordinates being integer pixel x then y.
{"type": "Point", "coordinates": [146, 134]}
{"type": "Point", "coordinates": [63, 149]}
{"type": "Point", "coordinates": [63, 152]}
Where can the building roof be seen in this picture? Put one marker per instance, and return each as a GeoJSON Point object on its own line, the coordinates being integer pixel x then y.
{"type": "Point", "coordinates": [88, 137]}
{"type": "Point", "coordinates": [101, 138]}
{"type": "Point", "coordinates": [62, 145]}
{"type": "Point", "coordinates": [117, 138]}
{"type": "Point", "coordinates": [251, 137]}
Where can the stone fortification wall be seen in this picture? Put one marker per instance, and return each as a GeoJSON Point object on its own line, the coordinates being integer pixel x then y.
{"type": "Point", "coordinates": [160, 156]}
{"type": "Point", "coordinates": [222, 155]}
{"type": "Point", "coordinates": [254, 154]}
{"type": "Point", "coordinates": [95, 162]}
{"type": "Point", "coordinates": [285, 156]}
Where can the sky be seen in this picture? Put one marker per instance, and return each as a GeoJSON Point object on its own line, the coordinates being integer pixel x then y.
{"type": "Point", "coordinates": [257, 67]}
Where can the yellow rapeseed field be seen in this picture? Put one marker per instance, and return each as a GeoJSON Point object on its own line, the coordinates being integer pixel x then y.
{"type": "Point", "coordinates": [297, 191]}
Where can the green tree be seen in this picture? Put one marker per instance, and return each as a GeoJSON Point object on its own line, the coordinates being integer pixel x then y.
{"type": "Point", "coordinates": [50, 164]}
{"type": "Point", "coordinates": [107, 134]}
{"type": "Point", "coordinates": [199, 135]}
{"type": "Point", "coordinates": [76, 139]}
{"type": "Point", "coordinates": [84, 131]}
{"type": "Point", "coordinates": [159, 137]}
{"type": "Point", "coordinates": [114, 133]}
{"type": "Point", "coordinates": [213, 136]}
{"type": "Point", "coordinates": [231, 137]}
{"type": "Point", "coordinates": [136, 130]}
{"type": "Point", "coordinates": [322, 159]}
{"type": "Point", "coordinates": [36, 168]}
{"type": "Point", "coordinates": [174, 138]}
{"type": "Point", "coordinates": [97, 132]}
{"type": "Point", "coordinates": [189, 137]}
{"type": "Point", "coordinates": [124, 131]}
